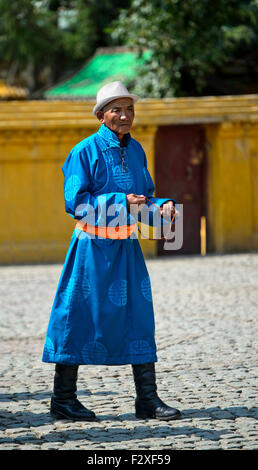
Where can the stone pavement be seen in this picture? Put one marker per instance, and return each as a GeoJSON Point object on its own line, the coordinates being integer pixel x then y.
{"type": "Point", "coordinates": [206, 331]}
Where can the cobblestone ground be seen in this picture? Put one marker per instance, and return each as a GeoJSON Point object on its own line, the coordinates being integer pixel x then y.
{"type": "Point", "coordinates": [206, 332]}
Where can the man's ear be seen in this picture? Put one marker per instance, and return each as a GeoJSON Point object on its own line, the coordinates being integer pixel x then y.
{"type": "Point", "coordinates": [100, 116]}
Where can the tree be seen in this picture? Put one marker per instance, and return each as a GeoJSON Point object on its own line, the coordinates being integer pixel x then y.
{"type": "Point", "coordinates": [53, 35]}
{"type": "Point", "coordinates": [191, 42]}
{"type": "Point", "coordinates": [20, 20]}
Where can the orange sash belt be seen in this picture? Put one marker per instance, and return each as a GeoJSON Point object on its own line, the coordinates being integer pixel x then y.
{"type": "Point", "coordinates": [117, 233]}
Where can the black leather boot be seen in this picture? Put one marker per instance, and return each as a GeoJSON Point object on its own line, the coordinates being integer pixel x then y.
{"type": "Point", "coordinates": [64, 402]}
{"type": "Point", "coordinates": [147, 403]}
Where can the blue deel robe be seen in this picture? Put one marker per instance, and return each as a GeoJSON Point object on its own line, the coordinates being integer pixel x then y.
{"type": "Point", "coordinates": [102, 312]}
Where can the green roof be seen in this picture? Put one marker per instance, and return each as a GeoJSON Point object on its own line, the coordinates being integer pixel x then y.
{"type": "Point", "coordinates": [102, 68]}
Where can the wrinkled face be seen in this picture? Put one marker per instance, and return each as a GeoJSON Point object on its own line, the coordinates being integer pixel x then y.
{"type": "Point", "coordinates": [118, 115]}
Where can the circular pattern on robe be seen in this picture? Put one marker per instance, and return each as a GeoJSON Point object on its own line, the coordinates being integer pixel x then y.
{"type": "Point", "coordinates": [117, 292]}
{"type": "Point", "coordinates": [94, 352]}
{"type": "Point", "coordinates": [123, 179]}
{"type": "Point", "coordinates": [139, 348]}
{"type": "Point", "coordinates": [146, 289]}
{"type": "Point", "coordinates": [72, 186]}
{"type": "Point", "coordinates": [77, 288]}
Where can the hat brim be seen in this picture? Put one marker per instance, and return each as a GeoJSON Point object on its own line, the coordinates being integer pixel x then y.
{"type": "Point", "coordinates": [103, 103]}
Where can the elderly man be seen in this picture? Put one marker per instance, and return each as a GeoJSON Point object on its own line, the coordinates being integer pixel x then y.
{"type": "Point", "coordinates": [103, 312]}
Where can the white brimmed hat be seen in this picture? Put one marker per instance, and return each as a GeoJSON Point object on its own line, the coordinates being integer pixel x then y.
{"type": "Point", "coordinates": [110, 92]}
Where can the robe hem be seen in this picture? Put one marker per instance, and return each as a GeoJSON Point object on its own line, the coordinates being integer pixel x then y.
{"type": "Point", "coordinates": [69, 359]}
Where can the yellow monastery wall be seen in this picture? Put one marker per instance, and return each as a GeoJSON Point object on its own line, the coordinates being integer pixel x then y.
{"type": "Point", "coordinates": [33, 224]}
{"type": "Point", "coordinates": [233, 186]}
{"type": "Point", "coordinates": [36, 137]}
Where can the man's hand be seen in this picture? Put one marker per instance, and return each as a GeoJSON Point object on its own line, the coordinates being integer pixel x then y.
{"type": "Point", "coordinates": [167, 210]}
{"type": "Point", "coordinates": [134, 202]}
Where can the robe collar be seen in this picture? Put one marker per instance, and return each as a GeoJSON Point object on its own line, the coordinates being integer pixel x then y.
{"type": "Point", "coordinates": [111, 138]}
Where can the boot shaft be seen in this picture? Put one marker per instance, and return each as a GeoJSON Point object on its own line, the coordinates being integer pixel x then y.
{"type": "Point", "coordinates": [145, 381]}
{"type": "Point", "coordinates": [65, 382]}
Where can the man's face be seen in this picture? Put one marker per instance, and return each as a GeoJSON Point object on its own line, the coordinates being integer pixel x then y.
{"type": "Point", "coordinates": [118, 115]}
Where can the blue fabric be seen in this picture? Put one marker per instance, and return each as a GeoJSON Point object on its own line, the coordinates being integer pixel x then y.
{"type": "Point", "coordinates": [103, 311]}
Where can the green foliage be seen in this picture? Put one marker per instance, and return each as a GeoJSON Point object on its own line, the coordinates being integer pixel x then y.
{"type": "Point", "coordinates": [58, 34]}
{"type": "Point", "coordinates": [190, 40]}
{"type": "Point", "coordinates": [19, 20]}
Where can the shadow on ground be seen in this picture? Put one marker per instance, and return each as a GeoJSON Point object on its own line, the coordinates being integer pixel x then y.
{"type": "Point", "coordinates": [27, 421]}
